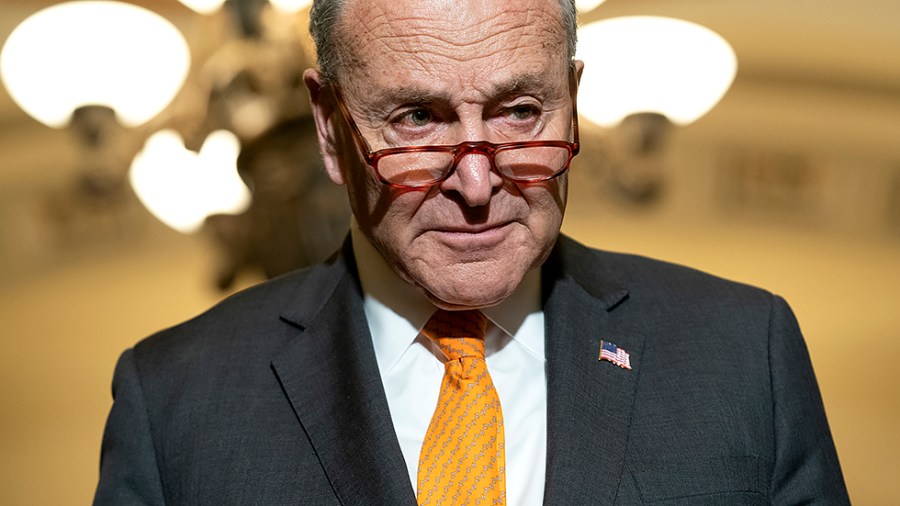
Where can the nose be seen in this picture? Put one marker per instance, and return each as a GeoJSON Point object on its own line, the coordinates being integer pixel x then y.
{"type": "Point", "coordinates": [473, 179]}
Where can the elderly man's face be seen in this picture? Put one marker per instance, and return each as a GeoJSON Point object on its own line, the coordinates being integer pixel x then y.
{"type": "Point", "coordinates": [444, 72]}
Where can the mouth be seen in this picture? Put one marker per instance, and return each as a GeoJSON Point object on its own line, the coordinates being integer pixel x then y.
{"type": "Point", "coordinates": [472, 237]}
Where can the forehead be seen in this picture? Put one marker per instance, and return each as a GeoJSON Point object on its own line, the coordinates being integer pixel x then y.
{"type": "Point", "coordinates": [464, 44]}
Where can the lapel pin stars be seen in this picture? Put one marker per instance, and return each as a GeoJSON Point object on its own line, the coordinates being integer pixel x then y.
{"type": "Point", "coordinates": [612, 353]}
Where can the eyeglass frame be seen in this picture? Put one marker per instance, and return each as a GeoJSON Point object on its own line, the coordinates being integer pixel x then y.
{"type": "Point", "coordinates": [486, 148]}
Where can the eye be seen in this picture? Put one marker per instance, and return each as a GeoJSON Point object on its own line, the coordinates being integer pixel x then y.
{"type": "Point", "coordinates": [419, 117]}
{"type": "Point", "coordinates": [523, 112]}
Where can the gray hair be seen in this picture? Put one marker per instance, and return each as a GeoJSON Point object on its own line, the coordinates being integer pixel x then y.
{"type": "Point", "coordinates": [324, 16]}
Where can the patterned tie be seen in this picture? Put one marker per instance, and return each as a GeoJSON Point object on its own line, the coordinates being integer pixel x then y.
{"type": "Point", "coordinates": [462, 460]}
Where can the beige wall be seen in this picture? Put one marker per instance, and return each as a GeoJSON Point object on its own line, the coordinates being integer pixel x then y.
{"type": "Point", "coordinates": [60, 335]}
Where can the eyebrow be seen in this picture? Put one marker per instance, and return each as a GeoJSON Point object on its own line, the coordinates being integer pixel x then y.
{"type": "Point", "coordinates": [407, 95]}
{"type": "Point", "coordinates": [528, 82]}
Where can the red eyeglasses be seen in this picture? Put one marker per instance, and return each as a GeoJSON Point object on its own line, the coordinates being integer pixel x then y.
{"type": "Point", "coordinates": [421, 166]}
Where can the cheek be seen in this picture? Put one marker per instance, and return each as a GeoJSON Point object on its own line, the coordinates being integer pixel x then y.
{"type": "Point", "coordinates": [362, 187]}
{"type": "Point", "coordinates": [547, 204]}
{"type": "Point", "coordinates": [395, 214]}
{"type": "Point", "coordinates": [389, 216]}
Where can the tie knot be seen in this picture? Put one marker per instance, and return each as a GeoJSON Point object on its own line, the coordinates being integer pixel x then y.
{"type": "Point", "coordinates": [457, 333]}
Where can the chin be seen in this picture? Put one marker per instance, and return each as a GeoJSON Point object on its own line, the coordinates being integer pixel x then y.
{"type": "Point", "coordinates": [460, 304]}
{"type": "Point", "coordinates": [471, 292]}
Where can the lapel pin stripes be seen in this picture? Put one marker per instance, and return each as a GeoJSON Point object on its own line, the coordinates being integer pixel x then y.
{"type": "Point", "coordinates": [614, 354]}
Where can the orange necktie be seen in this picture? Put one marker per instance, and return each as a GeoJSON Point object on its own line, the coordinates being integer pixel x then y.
{"type": "Point", "coordinates": [462, 460]}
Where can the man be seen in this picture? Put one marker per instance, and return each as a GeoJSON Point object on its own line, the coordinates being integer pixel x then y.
{"type": "Point", "coordinates": [335, 385]}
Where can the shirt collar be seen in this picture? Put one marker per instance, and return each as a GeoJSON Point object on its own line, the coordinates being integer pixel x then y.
{"type": "Point", "coordinates": [396, 311]}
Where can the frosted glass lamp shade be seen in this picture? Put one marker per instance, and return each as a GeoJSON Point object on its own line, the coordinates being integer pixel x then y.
{"type": "Point", "coordinates": [290, 6]}
{"type": "Point", "coordinates": [639, 64]}
{"type": "Point", "coordinates": [104, 53]}
{"type": "Point", "coordinates": [203, 6]}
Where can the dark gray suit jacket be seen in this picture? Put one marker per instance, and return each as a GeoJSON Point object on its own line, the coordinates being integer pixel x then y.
{"type": "Point", "coordinates": [274, 397]}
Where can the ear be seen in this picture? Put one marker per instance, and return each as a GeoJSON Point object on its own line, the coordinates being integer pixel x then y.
{"type": "Point", "coordinates": [323, 111]}
{"type": "Point", "coordinates": [579, 68]}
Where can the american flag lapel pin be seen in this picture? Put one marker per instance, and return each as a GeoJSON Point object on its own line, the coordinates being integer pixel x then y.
{"type": "Point", "coordinates": [612, 353]}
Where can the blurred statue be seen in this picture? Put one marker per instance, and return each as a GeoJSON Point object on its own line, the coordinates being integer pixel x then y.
{"type": "Point", "coordinates": [252, 86]}
{"type": "Point", "coordinates": [298, 216]}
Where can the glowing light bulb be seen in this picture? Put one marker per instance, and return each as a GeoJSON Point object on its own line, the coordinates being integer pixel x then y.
{"type": "Point", "coordinates": [182, 188]}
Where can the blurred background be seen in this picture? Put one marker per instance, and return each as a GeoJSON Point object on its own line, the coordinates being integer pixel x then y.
{"type": "Point", "coordinates": [786, 175]}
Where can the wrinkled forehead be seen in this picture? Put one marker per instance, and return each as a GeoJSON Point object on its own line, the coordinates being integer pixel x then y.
{"type": "Point", "coordinates": [462, 38]}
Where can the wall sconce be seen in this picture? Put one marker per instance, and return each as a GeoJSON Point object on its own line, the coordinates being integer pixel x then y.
{"type": "Point", "coordinates": [114, 67]}
{"type": "Point", "coordinates": [644, 74]}
{"type": "Point", "coordinates": [103, 53]}
{"type": "Point", "coordinates": [108, 67]}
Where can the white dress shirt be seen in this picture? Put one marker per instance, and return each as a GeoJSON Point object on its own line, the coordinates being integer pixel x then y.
{"type": "Point", "coordinates": [412, 368]}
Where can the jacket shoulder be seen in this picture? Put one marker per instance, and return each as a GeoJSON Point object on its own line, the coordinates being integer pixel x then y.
{"type": "Point", "coordinates": [647, 278]}
{"type": "Point", "coordinates": [243, 324]}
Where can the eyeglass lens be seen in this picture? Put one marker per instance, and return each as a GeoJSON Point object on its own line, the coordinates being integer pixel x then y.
{"type": "Point", "coordinates": [521, 163]}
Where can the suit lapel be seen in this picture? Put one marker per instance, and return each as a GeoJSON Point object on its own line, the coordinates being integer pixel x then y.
{"type": "Point", "coordinates": [329, 373]}
{"type": "Point", "coordinates": [589, 403]}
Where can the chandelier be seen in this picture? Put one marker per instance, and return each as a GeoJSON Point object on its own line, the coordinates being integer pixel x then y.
{"type": "Point", "coordinates": [223, 143]}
